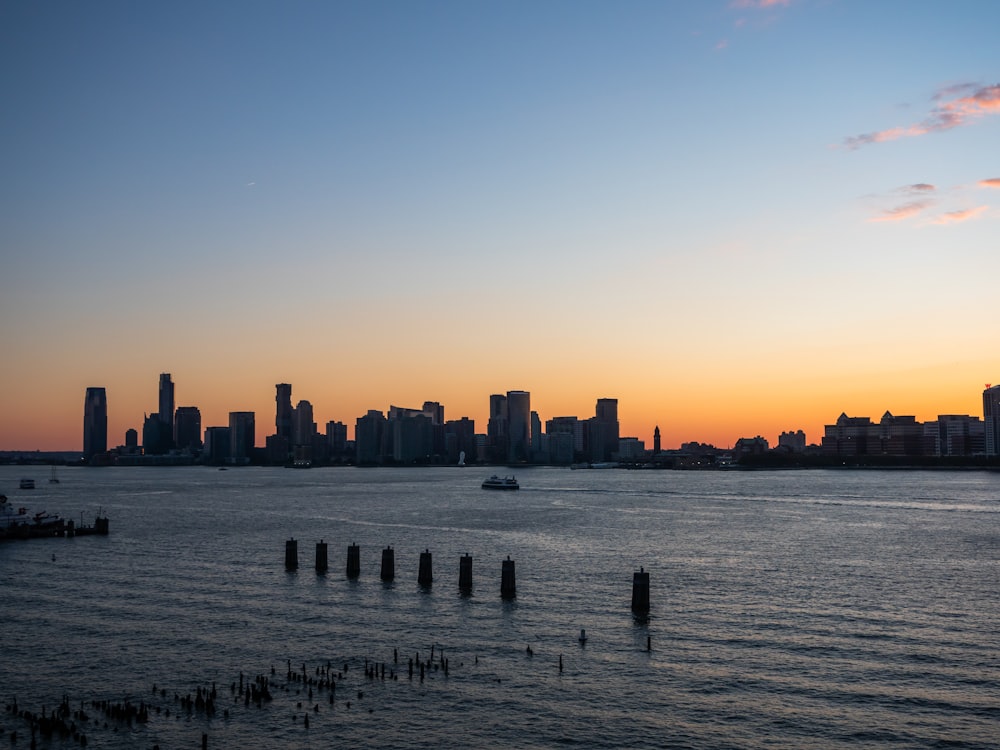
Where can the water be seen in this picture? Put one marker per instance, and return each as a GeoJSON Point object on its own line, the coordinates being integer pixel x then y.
{"type": "Point", "coordinates": [789, 609]}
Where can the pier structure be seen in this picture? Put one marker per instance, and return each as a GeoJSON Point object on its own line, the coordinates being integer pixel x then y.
{"type": "Point", "coordinates": [508, 587]}
{"type": "Point", "coordinates": [322, 562]}
{"type": "Point", "coordinates": [388, 571]}
{"type": "Point", "coordinates": [353, 561]}
{"type": "Point", "coordinates": [640, 592]}
{"type": "Point", "coordinates": [465, 573]}
{"type": "Point", "coordinates": [424, 576]}
{"type": "Point", "coordinates": [291, 555]}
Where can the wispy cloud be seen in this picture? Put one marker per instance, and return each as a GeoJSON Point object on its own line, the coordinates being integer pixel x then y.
{"type": "Point", "coordinates": [954, 217]}
{"type": "Point", "coordinates": [992, 182]}
{"type": "Point", "coordinates": [920, 187]}
{"type": "Point", "coordinates": [899, 213]}
{"type": "Point", "coordinates": [954, 111]}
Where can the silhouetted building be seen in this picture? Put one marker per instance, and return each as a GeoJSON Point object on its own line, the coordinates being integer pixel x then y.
{"type": "Point", "coordinates": [793, 442]}
{"type": "Point", "coordinates": [603, 431]}
{"type": "Point", "coordinates": [460, 437]}
{"type": "Point", "coordinates": [216, 445]}
{"type": "Point", "coordinates": [303, 432]}
{"type": "Point", "coordinates": [155, 441]}
{"type": "Point", "coordinates": [954, 435]}
{"type": "Point", "coordinates": [336, 438]}
{"type": "Point", "coordinates": [412, 438]}
{"type": "Point", "coordinates": [656, 440]}
{"type": "Point", "coordinates": [565, 437]}
{"type": "Point", "coordinates": [187, 429]}
{"type": "Point", "coordinates": [283, 411]}
{"type": "Point", "coordinates": [858, 436]}
{"type": "Point", "coordinates": [496, 429]}
{"type": "Point", "coordinates": [755, 446]}
{"type": "Point", "coordinates": [991, 419]}
{"type": "Point", "coordinates": [631, 449]}
{"type": "Point", "coordinates": [166, 412]}
{"type": "Point", "coordinates": [518, 426]}
{"type": "Point", "coordinates": [241, 436]}
{"type": "Point", "coordinates": [131, 440]}
{"type": "Point", "coordinates": [95, 423]}
{"type": "Point", "coordinates": [369, 438]}
{"type": "Point", "coordinates": [538, 448]}
{"type": "Point", "coordinates": [848, 437]}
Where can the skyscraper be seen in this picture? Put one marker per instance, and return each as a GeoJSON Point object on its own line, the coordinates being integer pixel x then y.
{"type": "Point", "coordinates": [518, 426]}
{"type": "Point", "coordinates": [496, 428]}
{"type": "Point", "coordinates": [991, 418]}
{"type": "Point", "coordinates": [166, 411]}
{"type": "Point", "coordinates": [241, 436]}
{"type": "Point", "coordinates": [283, 411]}
{"type": "Point", "coordinates": [187, 428]}
{"type": "Point", "coordinates": [604, 430]}
{"type": "Point", "coordinates": [95, 423]}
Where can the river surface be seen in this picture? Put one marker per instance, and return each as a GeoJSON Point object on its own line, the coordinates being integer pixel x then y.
{"type": "Point", "coordinates": [795, 609]}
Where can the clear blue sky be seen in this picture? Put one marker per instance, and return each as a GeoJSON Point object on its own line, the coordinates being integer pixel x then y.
{"type": "Point", "coordinates": [648, 200]}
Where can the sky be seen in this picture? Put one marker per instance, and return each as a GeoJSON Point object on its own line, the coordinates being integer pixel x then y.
{"type": "Point", "coordinates": [736, 217]}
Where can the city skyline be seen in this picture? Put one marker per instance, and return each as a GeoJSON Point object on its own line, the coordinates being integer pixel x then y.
{"type": "Point", "coordinates": [737, 218]}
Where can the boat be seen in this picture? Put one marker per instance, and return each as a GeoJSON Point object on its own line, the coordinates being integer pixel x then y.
{"type": "Point", "coordinates": [53, 479]}
{"type": "Point", "coordinates": [496, 483]}
{"type": "Point", "coordinates": [20, 523]}
{"type": "Point", "coordinates": [27, 484]}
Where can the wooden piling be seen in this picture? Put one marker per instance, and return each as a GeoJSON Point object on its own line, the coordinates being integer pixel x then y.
{"type": "Point", "coordinates": [322, 563]}
{"type": "Point", "coordinates": [424, 576]}
{"type": "Point", "coordinates": [640, 592]}
{"type": "Point", "coordinates": [291, 555]}
{"type": "Point", "coordinates": [388, 564]}
{"type": "Point", "coordinates": [465, 573]}
{"type": "Point", "coordinates": [353, 561]}
{"type": "Point", "coordinates": [508, 587]}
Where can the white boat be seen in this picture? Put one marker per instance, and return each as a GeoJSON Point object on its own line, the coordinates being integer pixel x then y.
{"type": "Point", "coordinates": [496, 483]}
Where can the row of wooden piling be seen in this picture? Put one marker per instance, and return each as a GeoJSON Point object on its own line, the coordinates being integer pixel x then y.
{"type": "Point", "coordinates": [387, 572]}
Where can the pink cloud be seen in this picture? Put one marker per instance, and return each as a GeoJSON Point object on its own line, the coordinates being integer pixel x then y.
{"type": "Point", "coordinates": [992, 182]}
{"type": "Point", "coordinates": [954, 217]}
{"type": "Point", "coordinates": [983, 100]}
{"type": "Point", "coordinates": [901, 212]}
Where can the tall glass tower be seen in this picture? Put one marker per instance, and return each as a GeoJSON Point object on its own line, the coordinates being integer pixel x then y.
{"type": "Point", "coordinates": [95, 423]}
{"type": "Point", "coordinates": [991, 417]}
{"type": "Point", "coordinates": [167, 404]}
{"type": "Point", "coordinates": [283, 411]}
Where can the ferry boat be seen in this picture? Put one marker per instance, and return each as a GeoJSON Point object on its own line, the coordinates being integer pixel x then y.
{"type": "Point", "coordinates": [496, 483]}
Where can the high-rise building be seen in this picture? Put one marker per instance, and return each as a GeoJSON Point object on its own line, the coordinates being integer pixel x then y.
{"type": "Point", "coordinates": [369, 438]}
{"type": "Point", "coordinates": [336, 436]}
{"type": "Point", "coordinates": [303, 432]}
{"type": "Point", "coordinates": [460, 437]}
{"type": "Point", "coordinates": [496, 429]}
{"type": "Point", "coordinates": [991, 418]}
{"type": "Point", "coordinates": [518, 426]}
{"type": "Point", "coordinates": [167, 409]}
{"type": "Point", "coordinates": [187, 428]}
{"type": "Point", "coordinates": [604, 430]}
{"type": "Point", "coordinates": [283, 412]}
{"type": "Point", "coordinates": [216, 446]}
{"type": "Point", "coordinates": [656, 440]}
{"type": "Point", "coordinates": [95, 423]}
{"type": "Point", "coordinates": [241, 436]}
